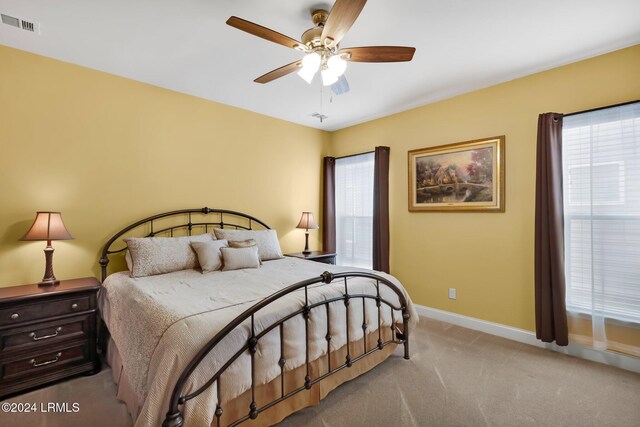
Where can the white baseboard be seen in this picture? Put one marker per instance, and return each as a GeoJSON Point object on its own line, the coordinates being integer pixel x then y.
{"type": "Point", "coordinates": [618, 360]}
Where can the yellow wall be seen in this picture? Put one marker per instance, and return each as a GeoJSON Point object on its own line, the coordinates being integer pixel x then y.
{"type": "Point", "coordinates": [106, 151]}
{"type": "Point", "coordinates": [488, 257]}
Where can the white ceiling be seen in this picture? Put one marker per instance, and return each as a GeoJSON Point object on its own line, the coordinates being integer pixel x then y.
{"type": "Point", "coordinates": [462, 45]}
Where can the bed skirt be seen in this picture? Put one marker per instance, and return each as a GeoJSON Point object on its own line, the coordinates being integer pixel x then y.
{"type": "Point", "coordinates": [239, 406]}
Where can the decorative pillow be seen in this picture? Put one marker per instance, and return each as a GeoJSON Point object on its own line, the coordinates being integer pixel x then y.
{"type": "Point", "coordinates": [238, 258]}
{"type": "Point", "coordinates": [245, 244]}
{"type": "Point", "coordinates": [127, 258]}
{"type": "Point", "coordinates": [267, 240]}
{"type": "Point", "coordinates": [209, 255]}
{"type": "Point", "coordinates": [242, 243]}
{"type": "Point", "coordinates": [158, 255]}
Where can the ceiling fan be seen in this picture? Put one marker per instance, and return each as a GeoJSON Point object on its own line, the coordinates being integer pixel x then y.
{"type": "Point", "coordinates": [321, 44]}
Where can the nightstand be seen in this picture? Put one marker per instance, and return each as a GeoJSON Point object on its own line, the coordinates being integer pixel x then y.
{"type": "Point", "coordinates": [318, 256]}
{"type": "Point", "coordinates": [47, 333]}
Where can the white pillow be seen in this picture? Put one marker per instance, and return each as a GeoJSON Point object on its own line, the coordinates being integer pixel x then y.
{"type": "Point", "coordinates": [209, 255]}
{"type": "Point", "coordinates": [267, 240]}
{"type": "Point", "coordinates": [238, 258]}
{"type": "Point", "coordinates": [158, 255]}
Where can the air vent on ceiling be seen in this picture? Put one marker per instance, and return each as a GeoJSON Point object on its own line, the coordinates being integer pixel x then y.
{"type": "Point", "coordinates": [10, 20]}
{"type": "Point", "coordinates": [31, 26]}
{"type": "Point", "coordinates": [26, 25]}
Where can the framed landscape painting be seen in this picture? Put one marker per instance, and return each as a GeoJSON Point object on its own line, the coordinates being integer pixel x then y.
{"type": "Point", "coordinates": [461, 177]}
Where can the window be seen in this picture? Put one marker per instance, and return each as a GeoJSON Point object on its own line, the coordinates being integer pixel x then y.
{"type": "Point", "coordinates": [354, 210]}
{"type": "Point", "coordinates": [601, 162]}
{"type": "Point", "coordinates": [610, 190]}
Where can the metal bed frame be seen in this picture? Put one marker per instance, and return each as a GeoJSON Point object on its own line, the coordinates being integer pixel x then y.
{"type": "Point", "coordinates": [174, 417]}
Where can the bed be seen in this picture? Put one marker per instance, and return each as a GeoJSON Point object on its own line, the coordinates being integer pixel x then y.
{"type": "Point", "coordinates": [248, 346]}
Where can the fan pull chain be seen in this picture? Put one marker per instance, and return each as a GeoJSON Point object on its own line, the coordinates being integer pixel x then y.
{"type": "Point", "coordinates": [321, 106]}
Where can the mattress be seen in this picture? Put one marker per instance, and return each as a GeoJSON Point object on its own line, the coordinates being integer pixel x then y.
{"type": "Point", "coordinates": [159, 323]}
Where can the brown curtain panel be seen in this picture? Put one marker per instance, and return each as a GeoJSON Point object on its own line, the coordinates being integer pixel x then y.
{"type": "Point", "coordinates": [381, 210]}
{"type": "Point", "coordinates": [551, 313]}
{"type": "Point", "coordinates": [329, 204]}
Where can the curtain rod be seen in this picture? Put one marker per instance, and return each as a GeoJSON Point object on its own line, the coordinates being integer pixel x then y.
{"type": "Point", "coordinates": [353, 155]}
{"type": "Point", "coordinates": [599, 108]}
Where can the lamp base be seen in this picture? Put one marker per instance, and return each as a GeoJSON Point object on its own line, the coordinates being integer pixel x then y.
{"type": "Point", "coordinates": [306, 250]}
{"type": "Point", "coordinates": [49, 282]}
{"type": "Point", "coordinates": [49, 278]}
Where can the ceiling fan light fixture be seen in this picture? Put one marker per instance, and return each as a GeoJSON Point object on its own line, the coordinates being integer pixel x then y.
{"type": "Point", "coordinates": [310, 65]}
{"type": "Point", "coordinates": [312, 61]}
{"type": "Point", "coordinates": [329, 77]}
{"type": "Point", "coordinates": [321, 45]}
{"type": "Point", "coordinates": [337, 65]}
{"type": "Point", "coordinates": [307, 74]}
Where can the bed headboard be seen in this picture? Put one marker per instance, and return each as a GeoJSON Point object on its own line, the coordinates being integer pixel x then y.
{"type": "Point", "coordinates": [184, 222]}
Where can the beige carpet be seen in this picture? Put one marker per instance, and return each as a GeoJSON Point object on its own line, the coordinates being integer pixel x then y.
{"type": "Point", "coordinates": [456, 377]}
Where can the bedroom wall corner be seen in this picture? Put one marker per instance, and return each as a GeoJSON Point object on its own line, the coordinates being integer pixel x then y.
{"type": "Point", "coordinates": [107, 151]}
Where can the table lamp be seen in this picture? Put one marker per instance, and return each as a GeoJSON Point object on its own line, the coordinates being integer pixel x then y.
{"type": "Point", "coordinates": [308, 223]}
{"type": "Point", "coordinates": [48, 226]}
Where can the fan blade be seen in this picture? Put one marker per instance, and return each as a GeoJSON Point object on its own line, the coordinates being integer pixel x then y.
{"type": "Point", "coordinates": [264, 32]}
{"type": "Point", "coordinates": [279, 72]}
{"type": "Point", "coordinates": [378, 54]}
{"type": "Point", "coordinates": [341, 86]}
{"type": "Point", "coordinates": [341, 17]}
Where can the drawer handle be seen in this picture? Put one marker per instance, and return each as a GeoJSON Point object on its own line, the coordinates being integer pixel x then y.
{"type": "Point", "coordinates": [14, 316]}
{"type": "Point", "coordinates": [44, 337]}
{"type": "Point", "coordinates": [48, 362]}
{"type": "Point", "coordinates": [74, 306]}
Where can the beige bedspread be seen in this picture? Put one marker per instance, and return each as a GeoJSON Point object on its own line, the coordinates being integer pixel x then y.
{"type": "Point", "coordinates": [159, 323]}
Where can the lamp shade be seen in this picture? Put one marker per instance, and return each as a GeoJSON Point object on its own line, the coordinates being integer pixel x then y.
{"type": "Point", "coordinates": [307, 221]}
{"type": "Point", "coordinates": [47, 226]}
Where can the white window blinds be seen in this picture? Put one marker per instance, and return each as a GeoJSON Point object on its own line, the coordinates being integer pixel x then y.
{"type": "Point", "coordinates": [354, 210]}
{"type": "Point", "coordinates": [601, 157]}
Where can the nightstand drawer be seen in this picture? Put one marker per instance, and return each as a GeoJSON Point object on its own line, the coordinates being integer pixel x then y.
{"type": "Point", "coordinates": [28, 312]}
{"type": "Point", "coordinates": [45, 333]}
{"type": "Point", "coordinates": [44, 361]}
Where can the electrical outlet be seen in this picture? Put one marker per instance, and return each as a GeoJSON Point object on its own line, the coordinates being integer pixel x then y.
{"type": "Point", "coordinates": [452, 293]}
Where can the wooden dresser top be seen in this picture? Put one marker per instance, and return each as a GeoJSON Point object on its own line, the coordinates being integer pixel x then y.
{"type": "Point", "coordinates": [16, 293]}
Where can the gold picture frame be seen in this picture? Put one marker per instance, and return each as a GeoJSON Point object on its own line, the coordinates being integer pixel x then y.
{"type": "Point", "coordinates": [462, 177]}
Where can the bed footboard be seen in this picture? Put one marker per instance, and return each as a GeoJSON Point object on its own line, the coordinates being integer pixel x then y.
{"type": "Point", "coordinates": [174, 417]}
